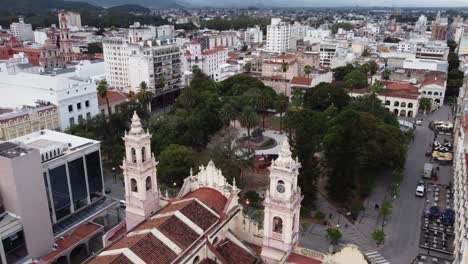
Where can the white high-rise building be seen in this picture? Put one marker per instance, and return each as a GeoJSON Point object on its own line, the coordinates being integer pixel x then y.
{"type": "Point", "coordinates": [115, 51]}
{"type": "Point", "coordinates": [73, 20]}
{"type": "Point", "coordinates": [278, 36]}
{"type": "Point", "coordinates": [21, 30]}
{"type": "Point", "coordinates": [421, 24]}
{"type": "Point", "coordinates": [253, 36]}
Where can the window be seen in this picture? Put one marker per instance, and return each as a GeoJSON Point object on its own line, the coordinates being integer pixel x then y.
{"type": "Point", "coordinates": [396, 103]}
{"type": "Point", "coordinates": [134, 159]}
{"type": "Point", "coordinates": [277, 225]}
{"type": "Point", "coordinates": [80, 118]}
{"type": "Point", "coordinates": [88, 115]}
{"type": "Point", "coordinates": [133, 185]}
{"type": "Point", "coordinates": [148, 183]}
{"type": "Point", "coordinates": [72, 121]}
{"type": "Point", "coordinates": [70, 108]}
{"type": "Point", "coordinates": [78, 106]}
{"type": "Point", "coordinates": [87, 103]}
{"type": "Point", "coordinates": [143, 154]}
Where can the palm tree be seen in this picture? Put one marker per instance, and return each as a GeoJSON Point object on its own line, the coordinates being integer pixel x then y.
{"type": "Point", "coordinates": [372, 68]}
{"type": "Point", "coordinates": [297, 98]}
{"type": "Point", "coordinates": [307, 70]}
{"type": "Point", "coordinates": [102, 89]}
{"type": "Point", "coordinates": [248, 119]}
{"type": "Point", "coordinates": [145, 96]}
{"type": "Point", "coordinates": [263, 102]}
{"type": "Point", "coordinates": [284, 68]}
{"type": "Point", "coordinates": [281, 106]}
{"type": "Point", "coordinates": [374, 90]}
{"type": "Point", "coordinates": [227, 114]}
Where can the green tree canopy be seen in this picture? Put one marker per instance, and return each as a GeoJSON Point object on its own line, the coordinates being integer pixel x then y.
{"type": "Point", "coordinates": [324, 95]}
{"type": "Point", "coordinates": [356, 79]}
{"type": "Point", "coordinates": [175, 163]}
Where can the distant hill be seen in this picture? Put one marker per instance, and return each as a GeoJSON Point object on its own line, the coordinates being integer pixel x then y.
{"type": "Point", "coordinates": [42, 5]}
{"type": "Point", "coordinates": [145, 3]}
{"type": "Point", "coordinates": [128, 9]}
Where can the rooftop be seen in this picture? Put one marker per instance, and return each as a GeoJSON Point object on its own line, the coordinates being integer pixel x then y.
{"type": "Point", "coordinates": [301, 81]}
{"type": "Point", "coordinates": [11, 150]}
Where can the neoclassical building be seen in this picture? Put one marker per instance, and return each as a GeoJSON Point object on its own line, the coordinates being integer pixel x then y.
{"type": "Point", "coordinates": [205, 222]}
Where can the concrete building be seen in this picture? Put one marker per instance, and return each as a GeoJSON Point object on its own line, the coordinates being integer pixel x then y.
{"type": "Point", "coordinates": [439, 28]}
{"type": "Point", "coordinates": [253, 36]}
{"type": "Point", "coordinates": [210, 61]}
{"type": "Point", "coordinates": [421, 24]}
{"type": "Point", "coordinates": [278, 36]}
{"type": "Point", "coordinates": [327, 53]}
{"type": "Point", "coordinates": [424, 64]}
{"type": "Point", "coordinates": [75, 100]}
{"type": "Point", "coordinates": [433, 87]}
{"type": "Point", "coordinates": [116, 56]}
{"type": "Point", "coordinates": [21, 122]}
{"type": "Point", "coordinates": [73, 20]}
{"type": "Point", "coordinates": [65, 207]}
{"type": "Point", "coordinates": [432, 51]}
{"type": "Point", "coordinates": [273, 74]}
{"type": "Point", "coordinates": [21, 30]}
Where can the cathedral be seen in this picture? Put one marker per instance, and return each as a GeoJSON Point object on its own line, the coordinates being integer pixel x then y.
{"type": "Point", "coordinates": [205, 222]}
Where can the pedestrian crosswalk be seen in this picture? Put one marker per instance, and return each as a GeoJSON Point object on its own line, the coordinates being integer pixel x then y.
{"type": "Point", "coordinates": [376, 258]}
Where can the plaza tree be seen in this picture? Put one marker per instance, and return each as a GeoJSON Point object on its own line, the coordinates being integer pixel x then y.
{"type": "Point", "coordinates": [248, 119]}
{"type": "Point", "coordinates": [102, 90]}
{"type": "Point", "coordinates": [297, 98]}
{"type": "Point", "coordinates": [144, 96]}
{"type": "Point", "coordinates": [248, 67]}
{"type": "Point", "coordinates": [281, 105]}
{"type": "Point", "coordinates": [307, 70]}
{"type": "Point", "coordinates": [284, 69]}
{"type": "Point", "coordinates": [334, 235]}
{"type": "Point", "coordinates": [425, 104]}
{"type": "Point", "coordinates": [372, 67]}
{"type": "Point", "coordinates": [386, 74]}
{"type": "Point", "coordinates": [379, 236]}
{"type": "Point", "coordinates": [339, 73]}
{"type": "Point", "coordinates": [356, 79]}
{"type": "Point", "coordinates": [175, 163]}
{"type": "Point", "coordinates": [385, 209]}
{"type": "Point", "coordinates": [325, 95]}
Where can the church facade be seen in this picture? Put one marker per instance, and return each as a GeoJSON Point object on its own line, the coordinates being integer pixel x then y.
{"type": "Point", "coordinates": [205, 222]}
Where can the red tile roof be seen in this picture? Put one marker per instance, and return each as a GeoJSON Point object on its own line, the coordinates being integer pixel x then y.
{"type": "Point", "coordinates": [400, 86]}
{"type": "Point", "coordinates": [434, 79]}
{"type": "Point", "coordinates": [285, 56]}
{"type": "Point", "coordinates": [114, 97]}
{"type": "Point", "coordinates": [300, 259]}
{"type": "Point", "coordinates": [301, 81]}
{"type": "Point", "coordinates": [234, 254]}
{"type": "Point", "coordinates": [72, 240]}
{"type": "Point", "coordinates": [211, 197]}
{"type": "Point", "coordinates": [213, 51]}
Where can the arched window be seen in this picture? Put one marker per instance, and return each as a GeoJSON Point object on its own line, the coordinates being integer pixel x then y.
{"type": "Point", "coordinates": [410, 113]}
{"type": "Point", "coordinates": [402, 113]}
{"type": "Point", "coordinates": [133, 155]}
{"type": "Point", "coordinates": [133, 185]}
{"type": "Point", "coordinates": [277, 225]}
{"type": "Point", "coordinates": [47, 156]}
{"type": "Point", "coordinates": [436, 93]}
{"type": "Point", "coordinates": [403, 104]}
{"type": "Point", "coordinates": [196, 260]}
{"type": "Point", "coordinates": [55, 152]}
{"type": "Point", "coordinates": [143, 154]}
{"type": "Point", "coordinates": [429, 93]}
{"type": "Point", "coordinates": [148, 183]}
{"type": "Point", "coordinates": [387, 102]}
{"type": "Point", "coordinates": [396, 103]}
{"type": "Point", "coordinates": [410, 105]}
{"type": "Point", "coordinates": [424, 92]}
{"type": "Point", "coordinates": [42, 157]}
{"type": "Point", "coordinates": [395, 111]}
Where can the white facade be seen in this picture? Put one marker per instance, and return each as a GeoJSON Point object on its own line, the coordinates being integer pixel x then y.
{"type": "Point", "coordinates": [40, 37]}
{"type": "Point", "coordinates": [115, 51]}
{"type": "Point", "coordinates": [422, 64]}
{"type": "Point", "coordinates": [433, 91]}
{"type": "Point", "coordinates": [253, 36]}
{"type": "Point", "coordinates": [73, 20]}
{"type": "Point", "coordinates": [137, 32]}
{"type": "Point", "coordinates": [22, 31]}
{"type": "Point", "coordinates": [319, 33]}
{"type": "Point", "coordinates": [212, 62]}
{"type": "Point", "coordinates": [278, 36]}
{"type": "Point", "coordinates": [75, 100]}
{"type": "Point", "coordinates": [165, 30]}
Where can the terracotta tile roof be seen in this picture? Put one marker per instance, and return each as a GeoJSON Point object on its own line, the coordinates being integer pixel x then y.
{"type": "Point", "coordinates": [178, 232]}
{"type": "Point", "coordinates": [400, 86]}
{"type": "Point", "coordinates": [114, 97]}
{"type": "Point", "coordinates": [434, 79]}
{"type": "Point", "coordinates": [213, 51]}
{"type": "Point", "coordinates": [199, 215]}
{"type": "Point", "coordinates": [301, 81]}
{"type": "Point", "coordinates": [300, 259]}
{"type": "Point", "coordinates": [71, 240]}
{"type": "Point", "coordinates": [234, 254]}
{"type": "Point", "coordinates": [285, 56]}
{"type": "Point", "coordinates": [210, 197]}
{"type": "Point", "coordinates": [399, 94]}
{"type": "Point", "coordinates": [114, 259]}
{"type": "Point", "coordinates": [152, 250]}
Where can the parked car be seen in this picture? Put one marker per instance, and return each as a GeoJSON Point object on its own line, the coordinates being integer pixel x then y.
{"type": "Point", "coordinates": [420, 190]}
{"type": "Point", "coordinates": [419, 122]}
{"type": "Point", "coordinates": [122, 203]}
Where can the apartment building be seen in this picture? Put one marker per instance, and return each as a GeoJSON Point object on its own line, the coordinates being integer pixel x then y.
{"type": "Point", "coordinates": [253, 36]}
{"type": "Point", "coordinates": [439, 28]}
{"type": "Point", "coordinates": [278, 36]}
{"type": "Point", "coordinates": [432, 51]}
{"type": "Point", "coordinates": [327, 53]}
{"type": "Point", "coordinates": [21, 30]}
{"type": "Point", "coordinates": [116, 56]}
{"type": "Point", "coordinates": [210, 61]}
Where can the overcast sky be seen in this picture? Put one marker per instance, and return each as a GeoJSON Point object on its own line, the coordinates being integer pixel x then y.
{"type": "Point", "coordinates": [402, 3]}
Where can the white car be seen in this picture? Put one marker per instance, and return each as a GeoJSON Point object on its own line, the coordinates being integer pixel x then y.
{"type": "Point", "coordinates": [420, 190]}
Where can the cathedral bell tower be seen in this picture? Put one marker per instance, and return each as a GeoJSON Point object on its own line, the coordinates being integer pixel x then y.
{"type": "Point", "coordinates": [139, 169]}
{"type": "Point", "coordinates": [282, 207]}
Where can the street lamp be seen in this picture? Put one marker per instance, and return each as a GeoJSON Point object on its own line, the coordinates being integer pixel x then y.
{"type": "Point", "coordinates": [113, 175]}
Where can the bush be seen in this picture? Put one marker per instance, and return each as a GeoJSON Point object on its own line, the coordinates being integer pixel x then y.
{"type": "Point", "coordinates": [356, 207]}
{"type": "Point", "coordinates": [319, 215]}
{"type": "Point", "coordinates": [334, 235]}
{"type": "Point", "coordinates": [378, 236]}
